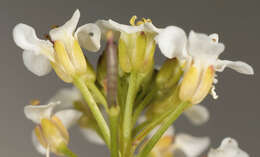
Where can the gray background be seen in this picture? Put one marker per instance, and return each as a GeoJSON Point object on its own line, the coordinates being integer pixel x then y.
{"type": "Point", "coordinates": [235, 113]}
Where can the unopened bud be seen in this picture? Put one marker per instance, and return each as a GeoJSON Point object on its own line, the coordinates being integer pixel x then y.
{"type": "Point", "coordinates": [169, 74]}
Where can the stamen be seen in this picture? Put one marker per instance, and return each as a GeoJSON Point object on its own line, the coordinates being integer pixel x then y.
{"type": "Point", "coordinates": [35, 102]}
{"type": "Point", "coordinates": [132, 20]}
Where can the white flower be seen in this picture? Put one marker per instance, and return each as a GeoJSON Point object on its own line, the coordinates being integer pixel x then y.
{"type": "Point", "coordinates": [136, 45]}
{"type": "Point", "coordinates": [200, 54]}
{"type": "Point", "coordinates": [204, 50]}
{"type": "Point", "coordinates": [66, 57]}
{"type": "Point", "coordinates": [228, 148]}
{"type": "Point", "coordinates": [197, 114]}
{"type": "Point", "coordinates": [64, 119]}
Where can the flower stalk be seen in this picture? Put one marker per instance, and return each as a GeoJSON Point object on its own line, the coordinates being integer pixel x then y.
{"type": "Point", "coordinates": [80, 84]}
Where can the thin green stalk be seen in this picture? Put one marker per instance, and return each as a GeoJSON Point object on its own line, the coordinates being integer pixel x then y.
{"type": "Point", "coordinates": [140, 127]}
{"type": "Point", "coordinates": [153, 123]}
{"type": "Point", "coordinates": [167, 123]}
{"type": "Point", "coordinates": [98, 94]}
{"type": "Point", "coordinates": [143, 104]}
{"type": "Point", "coordinates": [80, 84]}
{"type": "Point", "coordinates": [114, 123]}
{"type": "Point", "coordinates": [66, 151]}
{"type": "Point", "coordinates": [127, 117]}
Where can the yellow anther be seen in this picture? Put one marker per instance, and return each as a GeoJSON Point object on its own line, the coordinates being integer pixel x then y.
{"type": "Point", "coordinates": [146, 20]}
{"type": "Point", "coordinates": [139, 23]}
{"type": "Point", "coordinates": [132, 20]}
{"type": "Point", "coordinates": [35, 102]}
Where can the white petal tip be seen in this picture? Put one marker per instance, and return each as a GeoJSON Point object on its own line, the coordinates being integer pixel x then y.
{"type": "Point", "coordinates": [172, 42]}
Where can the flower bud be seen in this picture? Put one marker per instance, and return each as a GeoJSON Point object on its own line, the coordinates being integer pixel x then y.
{"type": "Point", "coordinates": [169, 74]}
{"type": "Point", "coordinates": [196, 84]}
{"type": "Point", "coordinates": [136, 51]}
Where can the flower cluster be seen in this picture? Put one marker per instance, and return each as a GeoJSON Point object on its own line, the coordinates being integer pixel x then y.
{"type": "Point", "coordinates": [127, 103]}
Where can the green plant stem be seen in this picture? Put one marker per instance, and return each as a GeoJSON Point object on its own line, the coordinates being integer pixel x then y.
{"type": "Point", "coordinates": [127, 117]}
{"type": "Point", "coordinates": [149, 127]}
{"type": "Point", "coordinates": [114, 121]}
{"type": "Point", "coordinates": [143, 104]}
{"type": "Point", "coordinates": [66, 151]}
{"type": "Point", "coordinates": [139, 127]}
{"type": "Point", "coordinates": [80, 84]}
{"type": "Point", "coordinates": [98, 94]}
{"type": "Point", "coordinates": [167, 123]}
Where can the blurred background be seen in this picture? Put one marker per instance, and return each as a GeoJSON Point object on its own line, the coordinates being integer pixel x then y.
{"type": "Point", "coordinates": [234, 114]}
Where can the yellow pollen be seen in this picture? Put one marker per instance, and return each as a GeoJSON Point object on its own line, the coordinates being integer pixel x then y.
{"type": "Point", "coordinates": [133, 22]}
{"type": "Point", "coordinates": [35, 102]}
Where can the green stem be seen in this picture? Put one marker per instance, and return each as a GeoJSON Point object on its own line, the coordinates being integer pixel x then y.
{"type": "Point", "coordinates": [140, 127]}
{"type": "Point", "coordinates": [66, 151]}
{"type": "Point", "coordinates": [100, 97]}
{"type": "Point", "coordinates": [153, 123]}
{"type": "Point", "coordinates": [114, 121]}
{"type": "Point", "coordinates": [167, 123]}
{"type": "Point", "coordinates": [143, 104]}
{"type": "Point", "coordinates": [127, 117]}
{"type": "Point", "coordinates": [80, 84]}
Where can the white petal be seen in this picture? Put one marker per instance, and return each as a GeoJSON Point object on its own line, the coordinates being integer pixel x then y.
{"type": "Point", "coordinates": [124, 28]}
{"type": "Point", "coordinates": [117, 28]}
{"type": "Point", "coordinates": [66, 31]}
{"type": "Point", "coordinates": [203, 47]}
{"type": "Point", "coordinates": [197, 114]}
{"type": "Point", "coordinates": [67, 96]}
{"type": "Point", "coordinates": [169, 132]}
{"type": "Point", "coordinates": [36, 113]}
{"type": "Point", "coordinates": [25, 37]}
{"type": "Point", "coordinates": [92, 136]}
{"type": "Point", "coordinates": [214, 37]}
{"type": "Point", "coordinates": [68, 117]}
{"type": "Point", "coordinates": [89, 37]}
{"type": "Point", "coordinates": [104, 26]}
{"type": "Point", "coordinates": [37, 145]}
{"type": "Point", "coordinates": [191, 146]}
{"type": "Point", "coordinates": [172, 42]}
{"type": "Point", "coordinates": [36, 63]}
{"type": "Point", "coordinates": [228, 148]}
{"type": "Point", "coordinates": [238, 66]}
